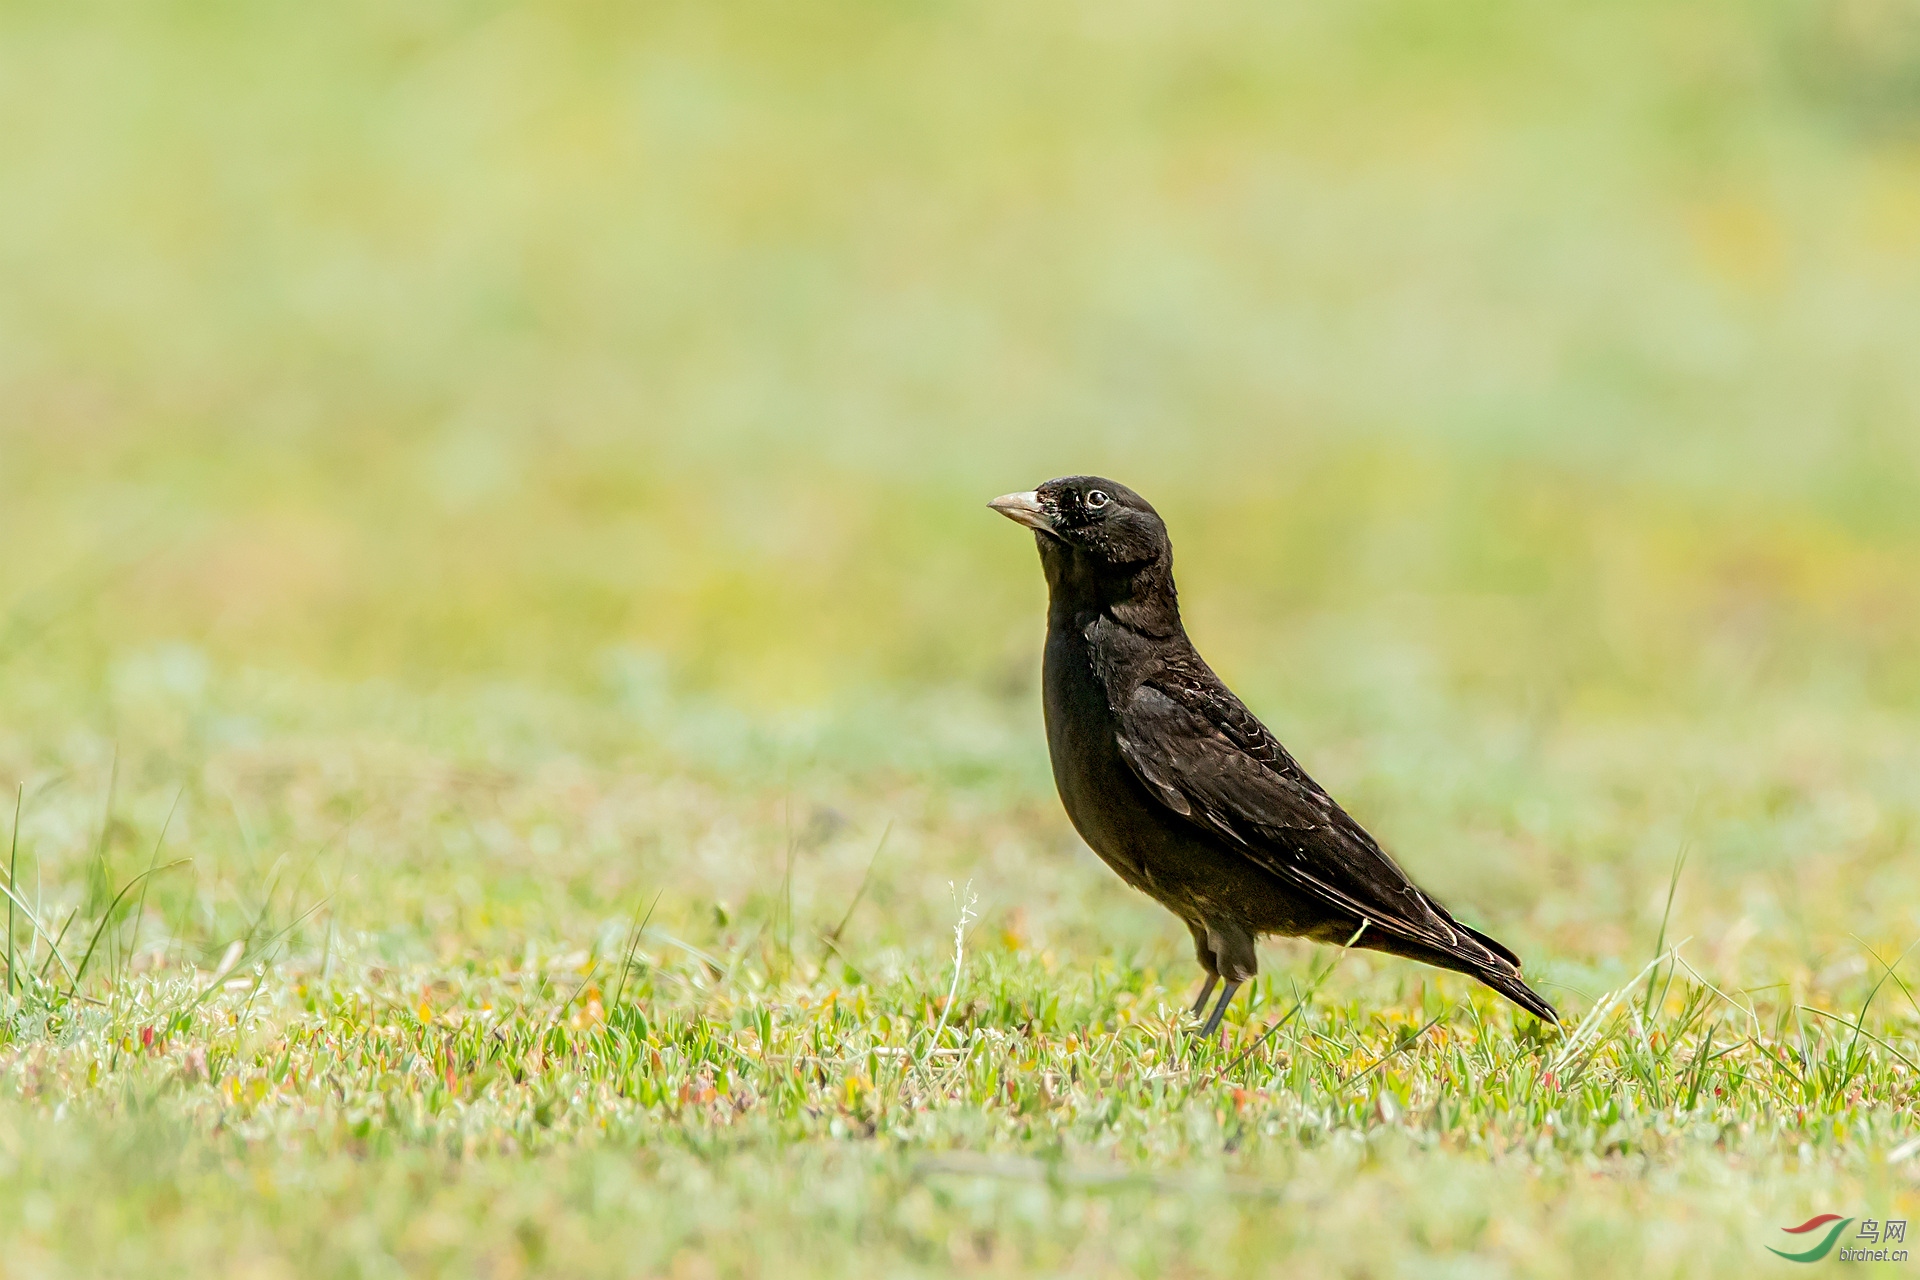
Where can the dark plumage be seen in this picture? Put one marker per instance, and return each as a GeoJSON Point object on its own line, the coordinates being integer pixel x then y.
{"type": "Point", "coordinates": [1181, 790]}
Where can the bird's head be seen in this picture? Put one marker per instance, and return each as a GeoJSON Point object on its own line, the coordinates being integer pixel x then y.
{"type": "Point", "coordinates": [1099, 540]}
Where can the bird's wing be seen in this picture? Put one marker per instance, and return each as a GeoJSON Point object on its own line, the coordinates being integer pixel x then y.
{"type": "Point", "coordinates": [1206, 757]}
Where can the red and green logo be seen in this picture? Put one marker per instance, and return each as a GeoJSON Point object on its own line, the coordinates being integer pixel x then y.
{"type": "Point", "coordinates": [1869, 1243]}
{"type": "Point", "coordinates": [1825, 1246]}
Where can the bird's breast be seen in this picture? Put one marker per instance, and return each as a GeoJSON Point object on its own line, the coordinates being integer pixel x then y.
{"type": "Point", "coordinates": [1097, 789]}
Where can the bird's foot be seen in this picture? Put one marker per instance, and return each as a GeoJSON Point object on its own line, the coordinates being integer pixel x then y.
{"type": "Point", "coordinates": [1219, 1010]}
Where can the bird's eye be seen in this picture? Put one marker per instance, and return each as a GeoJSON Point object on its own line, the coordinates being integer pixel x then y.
{"type": "Point", "coordinates": [1096, 499]}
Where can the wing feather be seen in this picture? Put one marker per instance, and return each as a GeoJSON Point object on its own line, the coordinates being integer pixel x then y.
{"type": "Point", "coordinates": [1208, 759]}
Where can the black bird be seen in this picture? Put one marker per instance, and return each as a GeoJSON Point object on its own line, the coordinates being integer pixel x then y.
{"type": "Point", "coordinates": [1181, 790]}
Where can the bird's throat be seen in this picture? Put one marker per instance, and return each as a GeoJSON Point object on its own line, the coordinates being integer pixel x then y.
{"type": "Point", "coordinates": [1140, 597]}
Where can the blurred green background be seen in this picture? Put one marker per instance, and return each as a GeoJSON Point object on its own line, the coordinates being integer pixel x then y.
{"type": "Point", "coordinates": [1527, 390]}
{"type": "Point", "coordinates": [470, 339]}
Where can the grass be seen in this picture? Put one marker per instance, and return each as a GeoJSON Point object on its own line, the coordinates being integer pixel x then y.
{"type": "Point", "coordinates": [510, 687]}
{"type": "Point", "coordinates": [563, 1014]}
{"type": "Point", "coordinates": [1039, 1126]}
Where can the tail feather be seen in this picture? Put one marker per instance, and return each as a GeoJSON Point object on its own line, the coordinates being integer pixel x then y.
{"type": "Point", "coordinates": [1510, 986]}
{"type": "Point", "coordinates": [1506, 983]}
{"type": "Point", "coordinates": [1492, 944]}
{"type": "Point", "coordinates": [1474, 954]}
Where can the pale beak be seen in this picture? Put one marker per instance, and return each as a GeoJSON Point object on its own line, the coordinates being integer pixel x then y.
{"type": "Point", "coordinates": [1023, 508]}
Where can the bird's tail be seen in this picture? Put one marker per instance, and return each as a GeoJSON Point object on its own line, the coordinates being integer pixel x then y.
{"type": "Point", "coordinates": [1504, 976]}
{"type": "Point", "coordinates": [1463, 949]}
{"type": "Point", "coordinates": [1510, 986]}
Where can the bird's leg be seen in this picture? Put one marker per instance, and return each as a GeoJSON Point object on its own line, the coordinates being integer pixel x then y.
{"type": "Point", "coordinates": [1220, 1010]}
{"type": "Point", "coordinates": [1206, 990]}
{"type": "Point", "coordinates": [1203, 952]}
